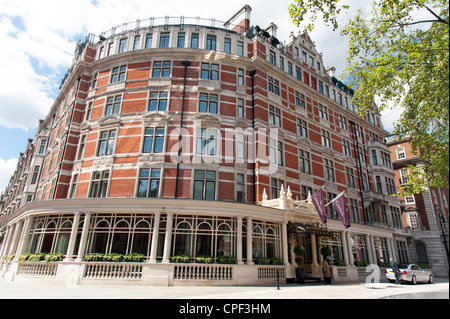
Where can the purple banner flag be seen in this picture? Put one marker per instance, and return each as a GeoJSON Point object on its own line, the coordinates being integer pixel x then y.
{"type": "Point", "coordinates": [341, 208]}
{"type": "Point", "coordinates": [317, 200]}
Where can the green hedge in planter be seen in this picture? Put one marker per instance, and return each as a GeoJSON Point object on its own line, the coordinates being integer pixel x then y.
{"type": "Point", "coordinates": [113, 257]}
{"type": "Point", "coordinates": [134, 257]}
{"type": "Point", "coordinates": [226, 260]}
{"type": "Point", "coordinates": [24, 257]}
{"type": "Point", "coordinates": [276, 261]}
{"type": "Point", "coordinates": [53, 257]}
{"type": "Point", "coordinates": [36, 257]}
{"type": "Point", "coordinates": [180, 259]}
{"type": "Point", "coordinates": [361, 263]}
{"type": "Point", "coordinates": [204, 259]}
{"type": "Point", "coordinates": [262, 261]}
{"type": "Point", "coordinates": [94, 257]}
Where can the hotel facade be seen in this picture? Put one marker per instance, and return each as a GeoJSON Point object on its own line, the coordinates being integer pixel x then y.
{"type": "Point", "coordinates": [194, 138]}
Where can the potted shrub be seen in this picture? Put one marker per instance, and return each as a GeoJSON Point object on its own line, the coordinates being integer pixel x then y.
{"type": "Point", "coordinates": [204, 259]}
{"type": "Point", "coordinates": [325, 251]}
{"type": "Point", "coordinates": [299, 252]}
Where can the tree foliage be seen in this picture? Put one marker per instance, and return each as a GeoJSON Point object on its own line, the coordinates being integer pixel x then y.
{"type": "Point", "coordinates": [399, 56]}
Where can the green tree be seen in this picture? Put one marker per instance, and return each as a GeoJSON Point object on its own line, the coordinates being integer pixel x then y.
{"type": "Point", "coordinates": [399, 56]}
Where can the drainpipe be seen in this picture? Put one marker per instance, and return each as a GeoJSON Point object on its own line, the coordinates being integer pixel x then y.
{"type": "Point", "coordinates": [252, 74]}
{"type": "Point", "coordinates": [186, 64]}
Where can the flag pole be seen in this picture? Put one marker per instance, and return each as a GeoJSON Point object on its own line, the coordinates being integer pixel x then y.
{"type": "Point", "coordinates": [342, 193]}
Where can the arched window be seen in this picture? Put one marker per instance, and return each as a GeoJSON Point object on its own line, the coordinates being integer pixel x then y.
{"type": "Point", "coordinates": [100, 240]}
{"type": "Point", "coordinates": [62, 241]}
{"type": "Point", "coordinates": [120, 237]}
{"type": "Point", "coordinates": [203, 240]}
{"type": "Point", "coordinates": [141, 238]}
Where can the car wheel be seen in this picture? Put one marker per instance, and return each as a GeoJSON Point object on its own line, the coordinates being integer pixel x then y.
{"type": "Point", "coordinates": [414, 280]}
{"type": "Point", "coordinates": [431, 280]}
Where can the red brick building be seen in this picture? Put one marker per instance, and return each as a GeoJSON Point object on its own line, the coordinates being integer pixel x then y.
{"type": "Point", "coordinates": [172, 121]}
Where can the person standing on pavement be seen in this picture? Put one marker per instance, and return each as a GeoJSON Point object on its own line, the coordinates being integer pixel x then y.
{"type": "Point", "coordinates": [396, 270]}
{"type": "Point", "coordinates": [326, 272]}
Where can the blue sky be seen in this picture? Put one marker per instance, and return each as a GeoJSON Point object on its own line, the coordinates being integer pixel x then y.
{"type": "Point", "coordinates": [39, 37]}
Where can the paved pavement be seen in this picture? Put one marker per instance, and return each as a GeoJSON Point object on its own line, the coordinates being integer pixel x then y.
{"type": "Point", "coordinates": [21, 290]}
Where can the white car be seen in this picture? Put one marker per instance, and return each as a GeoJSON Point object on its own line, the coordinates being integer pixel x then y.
{"type": "Point", "coordinates": [411, 273]}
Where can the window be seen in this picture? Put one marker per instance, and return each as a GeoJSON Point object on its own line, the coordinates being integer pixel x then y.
{"type": "Point", "coordinates": [346, 148]}
{"type": "Point", "coordinates": [149, 180]}
{"type": "Point", "coordinates": [276, 152]}
{"type": "Point", "coordinates": [272, 58]}
{"type": "Point", "coordinates": [302, 128]}
{"type": "Point", "coordinates": [390, 186]}
{"type": "Point", "coordinates": [273, 86]}
{"type": "Point", "coordinates": [323, 112]}
{"type": "Point", "coordinates": [94, 81]}
{"type": "Point", "coordinates": [311, 61]}
{"type": "Point", "coordinates": [122, 45]}
{"type": "Point", "coordinates": [240, 188]}
{"type": "Point", "coordinates": [320, 87]}
{"type": "Point", "coordinates": [180, 40]}
{"type": "Point", "coordinates": [42, 147]}
{"type": "Point", "coordinates": [240, 109]}
{"type": "Point", "coordinates": [118, 74]}
{"type": "Point", "coordinates": [379, 184]}
{"type": "Point", "coordinates": [240, 48]}
{"type": "Point", "coordinates": [326, 141]}
{"type": "Point", "coordinates": [164, 40]}
{"type": "Point", "coordinates": [81, 147]}
{"type": "Point", "coordinates": [227, 45]}
{"type": "Point", "coordinates": [194, 41]}
{"type": "Point", "coordinates": [206, 141]}
{"type": "Point", "coordinates": [211, 42]}
{"type": "Point", "coordinates": [137, 42]}
{"type": "Point", "coordinates": [240, 146]}
{"type": "Point", "coordinates": [343, 122]}
{"type": "Point", "coordinates": [73, 186]}
{"type": "Point", "coordinates": [113, 105]}
{"type": "Point", "coordinates": [409, 199]}
{"type": "Point", "coordinates": [148, 41]}
{"type": "Point", "coordinates": [281, 63]}
{"type": "Point", "coordinates": [386, 159]}
{"type": "Point", "coordinates": [274, 116]}
{"type": "Point", "coordinates": [354, 209]}
{"type": "Point", "coordinates": [99, 184]}
{"type": "Point", "coordinates": [210, 71]}
{"type": "Point", "coordinates": [241, 77]}
{"type": "Point", "coordinates": [35, 175]}
{"type": "Point", "coordinates": [89, 111]}
{"type": "Point", "coordinates": [374, 157]}
{"type": "Point", "coordinates": [106, 143]}
{"type": "Point", "coordinates": [401, 153]}
{"type": "Point", "coordinates": [329, 170]}
{"type": "Point", "coordinates": [158, 101]}
{"type": "Point", "coordinates": [204, 185]}
{"type": "Point", "coordinates": [305, 58]}
{"type": "Point", "coordinates": [290, 68]}
{"type": "Point", "coordinates": [305, 162]}
{"type": "Point", "coordinates": [298, 73]}
{"type": "Point", "coordinates": [404, 176]}
{"type": "Point", "coordinates": [349, 174]}
{"type": "Point", "coordinates": [396, 217]}
{"type": "Point", "coordinates": [154, 140]}
{"type": "Point", "coordinates": [161, 69]}
{"type": "Point", "coordinates": [110, 48]}
{"type": "Point", "coordinates": [275, 187]}
{"type": "Point", "coordinates": [208, 103]}
{"type": "Point", "coordinates": [305, 192]}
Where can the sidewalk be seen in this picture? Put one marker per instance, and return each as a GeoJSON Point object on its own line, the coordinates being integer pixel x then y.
{"type": "Point", "coordinates": [20, 290]}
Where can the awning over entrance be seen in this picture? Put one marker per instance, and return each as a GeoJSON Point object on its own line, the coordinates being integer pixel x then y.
{"type": "Point", "coordinates": [307, 229]}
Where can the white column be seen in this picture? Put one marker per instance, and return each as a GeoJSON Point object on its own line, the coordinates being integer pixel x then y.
{"type": "Point", "coordinates": [16, 237]}
{"type": "Point", "coordinates": [350, 250]}
{"type": "Point", "coordinates": [372, 249]}
{"type": "Point", "coordinates": [84, 235]}
{"type": "Point", "coordinates": [284, 243]}
{"type": "Point", "coordinates": [155, 236]}
{"type": "Point", "coordinates": [345, 247]}
{"type": "Point", "coordinates": [25, 235]}
{"type": "Point", "coordinates": [168, 239]}
{"type": "Point", "coordinates": [239, 241]}
{"type": "Point", "coordinates": [73, 237]}
{"type": "Point", "coordinates": [369, 249]}
{"type": "Point", "coordinates": [389, 248]}
{"type": "Point", "coordinates": [250, 241]}
{"type": "Point", "coordinates": [7, 241]}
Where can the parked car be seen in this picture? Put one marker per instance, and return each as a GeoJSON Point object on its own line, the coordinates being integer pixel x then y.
{"type": "Point", "coordinates": [411, 273]}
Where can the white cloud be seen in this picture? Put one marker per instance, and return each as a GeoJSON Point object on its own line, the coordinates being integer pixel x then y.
{"type": "Point", "coordinates": [7, 168]}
